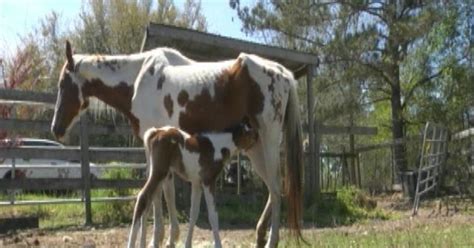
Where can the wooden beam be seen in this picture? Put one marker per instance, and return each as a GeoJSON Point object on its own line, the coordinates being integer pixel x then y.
{"type": "Point", "coordinates": [384, 144]}
{"type": "Point", "coordinates": [45, 127]}
{"type": "Point", "coordinates": [41, 184]}
{"type": "Point", "coordinates": [117, 183]}
{"type": "Point", "coordinates": [97, 154]}
{"type": "Point", "coordinates": [29, 96]}
{"type": "Point", "coordinates": [68, 183]}
{"type": "Point", "coordinates": [165, 32]}
{"type": "Point", "coordinates": [336, 155]}
{"type": "Point", "coordinates": [355, 130]}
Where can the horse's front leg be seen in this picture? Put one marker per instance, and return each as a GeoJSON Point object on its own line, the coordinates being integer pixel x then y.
{"type": "Point", "coordinates": [212, 214]}
{"type": "Point", "coordinates": [196, 192]}
{"type": "Point", "coordinates": [170, 197]}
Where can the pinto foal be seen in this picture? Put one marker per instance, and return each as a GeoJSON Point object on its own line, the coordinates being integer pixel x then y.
{"type": "Point", "coordinates": [196, 158]}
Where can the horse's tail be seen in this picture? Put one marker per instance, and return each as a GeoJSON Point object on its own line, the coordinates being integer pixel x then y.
{"type": "Point", "coordinates": [294, 162]}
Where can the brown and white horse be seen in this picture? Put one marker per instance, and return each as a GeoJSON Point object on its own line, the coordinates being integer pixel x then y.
{"type": "Point", "coordinates": [162, 87]}
{"type": "Point", "coordinates": [197, 158]}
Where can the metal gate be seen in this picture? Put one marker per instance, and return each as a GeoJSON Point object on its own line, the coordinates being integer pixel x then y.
{"type": "Point", "coordinates": [432, 160]}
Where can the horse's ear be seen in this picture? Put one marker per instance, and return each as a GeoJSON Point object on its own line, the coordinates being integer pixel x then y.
{"type": "Point", "coordinates": [70, 60]}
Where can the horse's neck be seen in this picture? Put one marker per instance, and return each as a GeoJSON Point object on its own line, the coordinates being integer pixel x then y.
{"type": "Point", "coordinates": [174, 57]}
{"type": "Point", "coordinates": [111, 70]}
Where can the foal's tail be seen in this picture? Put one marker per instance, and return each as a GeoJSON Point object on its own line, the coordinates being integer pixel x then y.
{"type": "Point", "coordinates": [294, 163]}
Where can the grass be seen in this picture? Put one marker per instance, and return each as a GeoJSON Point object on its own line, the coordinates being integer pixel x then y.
{"type": "Point", "coordinates": [348, 207]}
{"type": "Point", "coordinates": [423, 235]}
{"type": "Point", "coordinates": [60, 215]}
{"type": "Point", "coordinates": [363, 223]}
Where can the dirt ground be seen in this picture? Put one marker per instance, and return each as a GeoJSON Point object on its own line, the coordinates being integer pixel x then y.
{"type": "Point", "coordinates": [434, 213]}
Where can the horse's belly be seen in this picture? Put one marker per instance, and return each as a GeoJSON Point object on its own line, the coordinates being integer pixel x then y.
{"type": "Point", "coordinates": [209, 120]}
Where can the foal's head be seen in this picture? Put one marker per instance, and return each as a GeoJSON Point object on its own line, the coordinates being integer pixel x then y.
{"type": "Point", "coordinates": [70, 100]}
{"type": "Point", "coordinates": [244, 136]}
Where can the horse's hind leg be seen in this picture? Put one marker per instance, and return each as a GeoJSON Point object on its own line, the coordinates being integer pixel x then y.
{"type": "Point", "coordinates": [265, 159]}
{"type": "Point", "coordinates": [169, 192]}
{"type": "Point", "coordinates": [262, 224]}
{"type": "Point", "coordinates": [256, 156]}
{"type": "Point", "coordinates": [213, 216]}
{"type": "Point", "coordinates": [273, 183]}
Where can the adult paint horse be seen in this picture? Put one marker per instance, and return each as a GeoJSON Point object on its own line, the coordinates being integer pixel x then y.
{"type": "Point", "coordinates": [197, 158]}
{"type": "Point", "coordinates": [161, 87]}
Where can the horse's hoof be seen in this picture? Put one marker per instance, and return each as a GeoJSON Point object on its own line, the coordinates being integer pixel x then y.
{"type": "Point", "coordinates": [261, 243]}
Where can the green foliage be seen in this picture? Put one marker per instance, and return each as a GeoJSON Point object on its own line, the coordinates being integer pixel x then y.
{"type": "Point", "coordinates": [117, 27]}
{"type": "Point", "coordinates": [118, 211]}
{"type": "Point", "coordinates": [350, 205]}
{"type": "Point", "coordinates": [232, 211]}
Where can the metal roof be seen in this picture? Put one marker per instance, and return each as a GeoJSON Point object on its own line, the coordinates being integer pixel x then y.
{"type": "Point", "coordinates": [203, 46]}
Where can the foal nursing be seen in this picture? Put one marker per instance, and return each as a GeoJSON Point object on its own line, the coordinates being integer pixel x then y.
{"type": "Point", "coordinates": [196, 158]}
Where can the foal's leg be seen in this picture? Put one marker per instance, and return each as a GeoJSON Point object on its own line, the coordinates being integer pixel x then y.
{"type": "Point", "coordinates": [158, 227]}
{"type": "Point", "coordinates": [140, 215]}
{"type": "Point", "coordinates": [196, 192]}
{"type": "Point", "coordinates": [212, 214]}
{"type": "Point", "coordinates": [169, 192]}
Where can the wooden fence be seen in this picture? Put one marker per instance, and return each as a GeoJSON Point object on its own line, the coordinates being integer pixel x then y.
{"type": "Point", "coordinates": [83, 153]}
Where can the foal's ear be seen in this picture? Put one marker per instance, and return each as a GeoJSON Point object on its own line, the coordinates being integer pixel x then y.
{"type": "Point", "coordinates": [70, 60]}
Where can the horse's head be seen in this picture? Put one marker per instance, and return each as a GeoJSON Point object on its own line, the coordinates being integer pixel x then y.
{"type": "Point", "coordinates": [70, 100]}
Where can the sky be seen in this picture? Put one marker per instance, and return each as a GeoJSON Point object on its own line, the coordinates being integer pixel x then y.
{"type": "Point", "coordinates": [18, 17]}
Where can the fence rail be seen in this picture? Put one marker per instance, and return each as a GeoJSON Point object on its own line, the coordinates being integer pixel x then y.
{"type": "Point", "coordinates": [45, 127]}
{"type": "Point", "coordinates": [96, 154]}
{"type": "Point", "coordinates": [67, 183]}
{"type": "Point", "coordinates": [28, 96]}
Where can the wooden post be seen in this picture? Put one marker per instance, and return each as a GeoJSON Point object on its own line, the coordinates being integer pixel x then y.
{"type": "Point", "coordinates": [238, 174]}
{"type": "Point", "coordinates": [85, 170]}
{"type": "Point", "coordinates": [310, 189]}
{"type": "Point", "coordinates": [353, 172]}
{"type": "Point", "coordinates": [12, 177]}
{"type": "Point", "coordinates": [317, 162]}
{"type": "Point", "coordinates": [359, 180]}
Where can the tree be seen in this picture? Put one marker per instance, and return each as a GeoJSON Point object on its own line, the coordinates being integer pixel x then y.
{"type": "Point", "coordinates": [114, 27]}
{"type": "Point", "coordinates": [387, 51]}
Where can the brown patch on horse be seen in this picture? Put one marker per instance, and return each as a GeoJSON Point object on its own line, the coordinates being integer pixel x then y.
{"type": "Point", "coordinates": [183, 98]}
{"type": "Point", "coordinates": [168, 102]}
{"type": "Point", "coordinates": [119, 97]}
{"type": "Point", "coordinates": [237, 96]}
